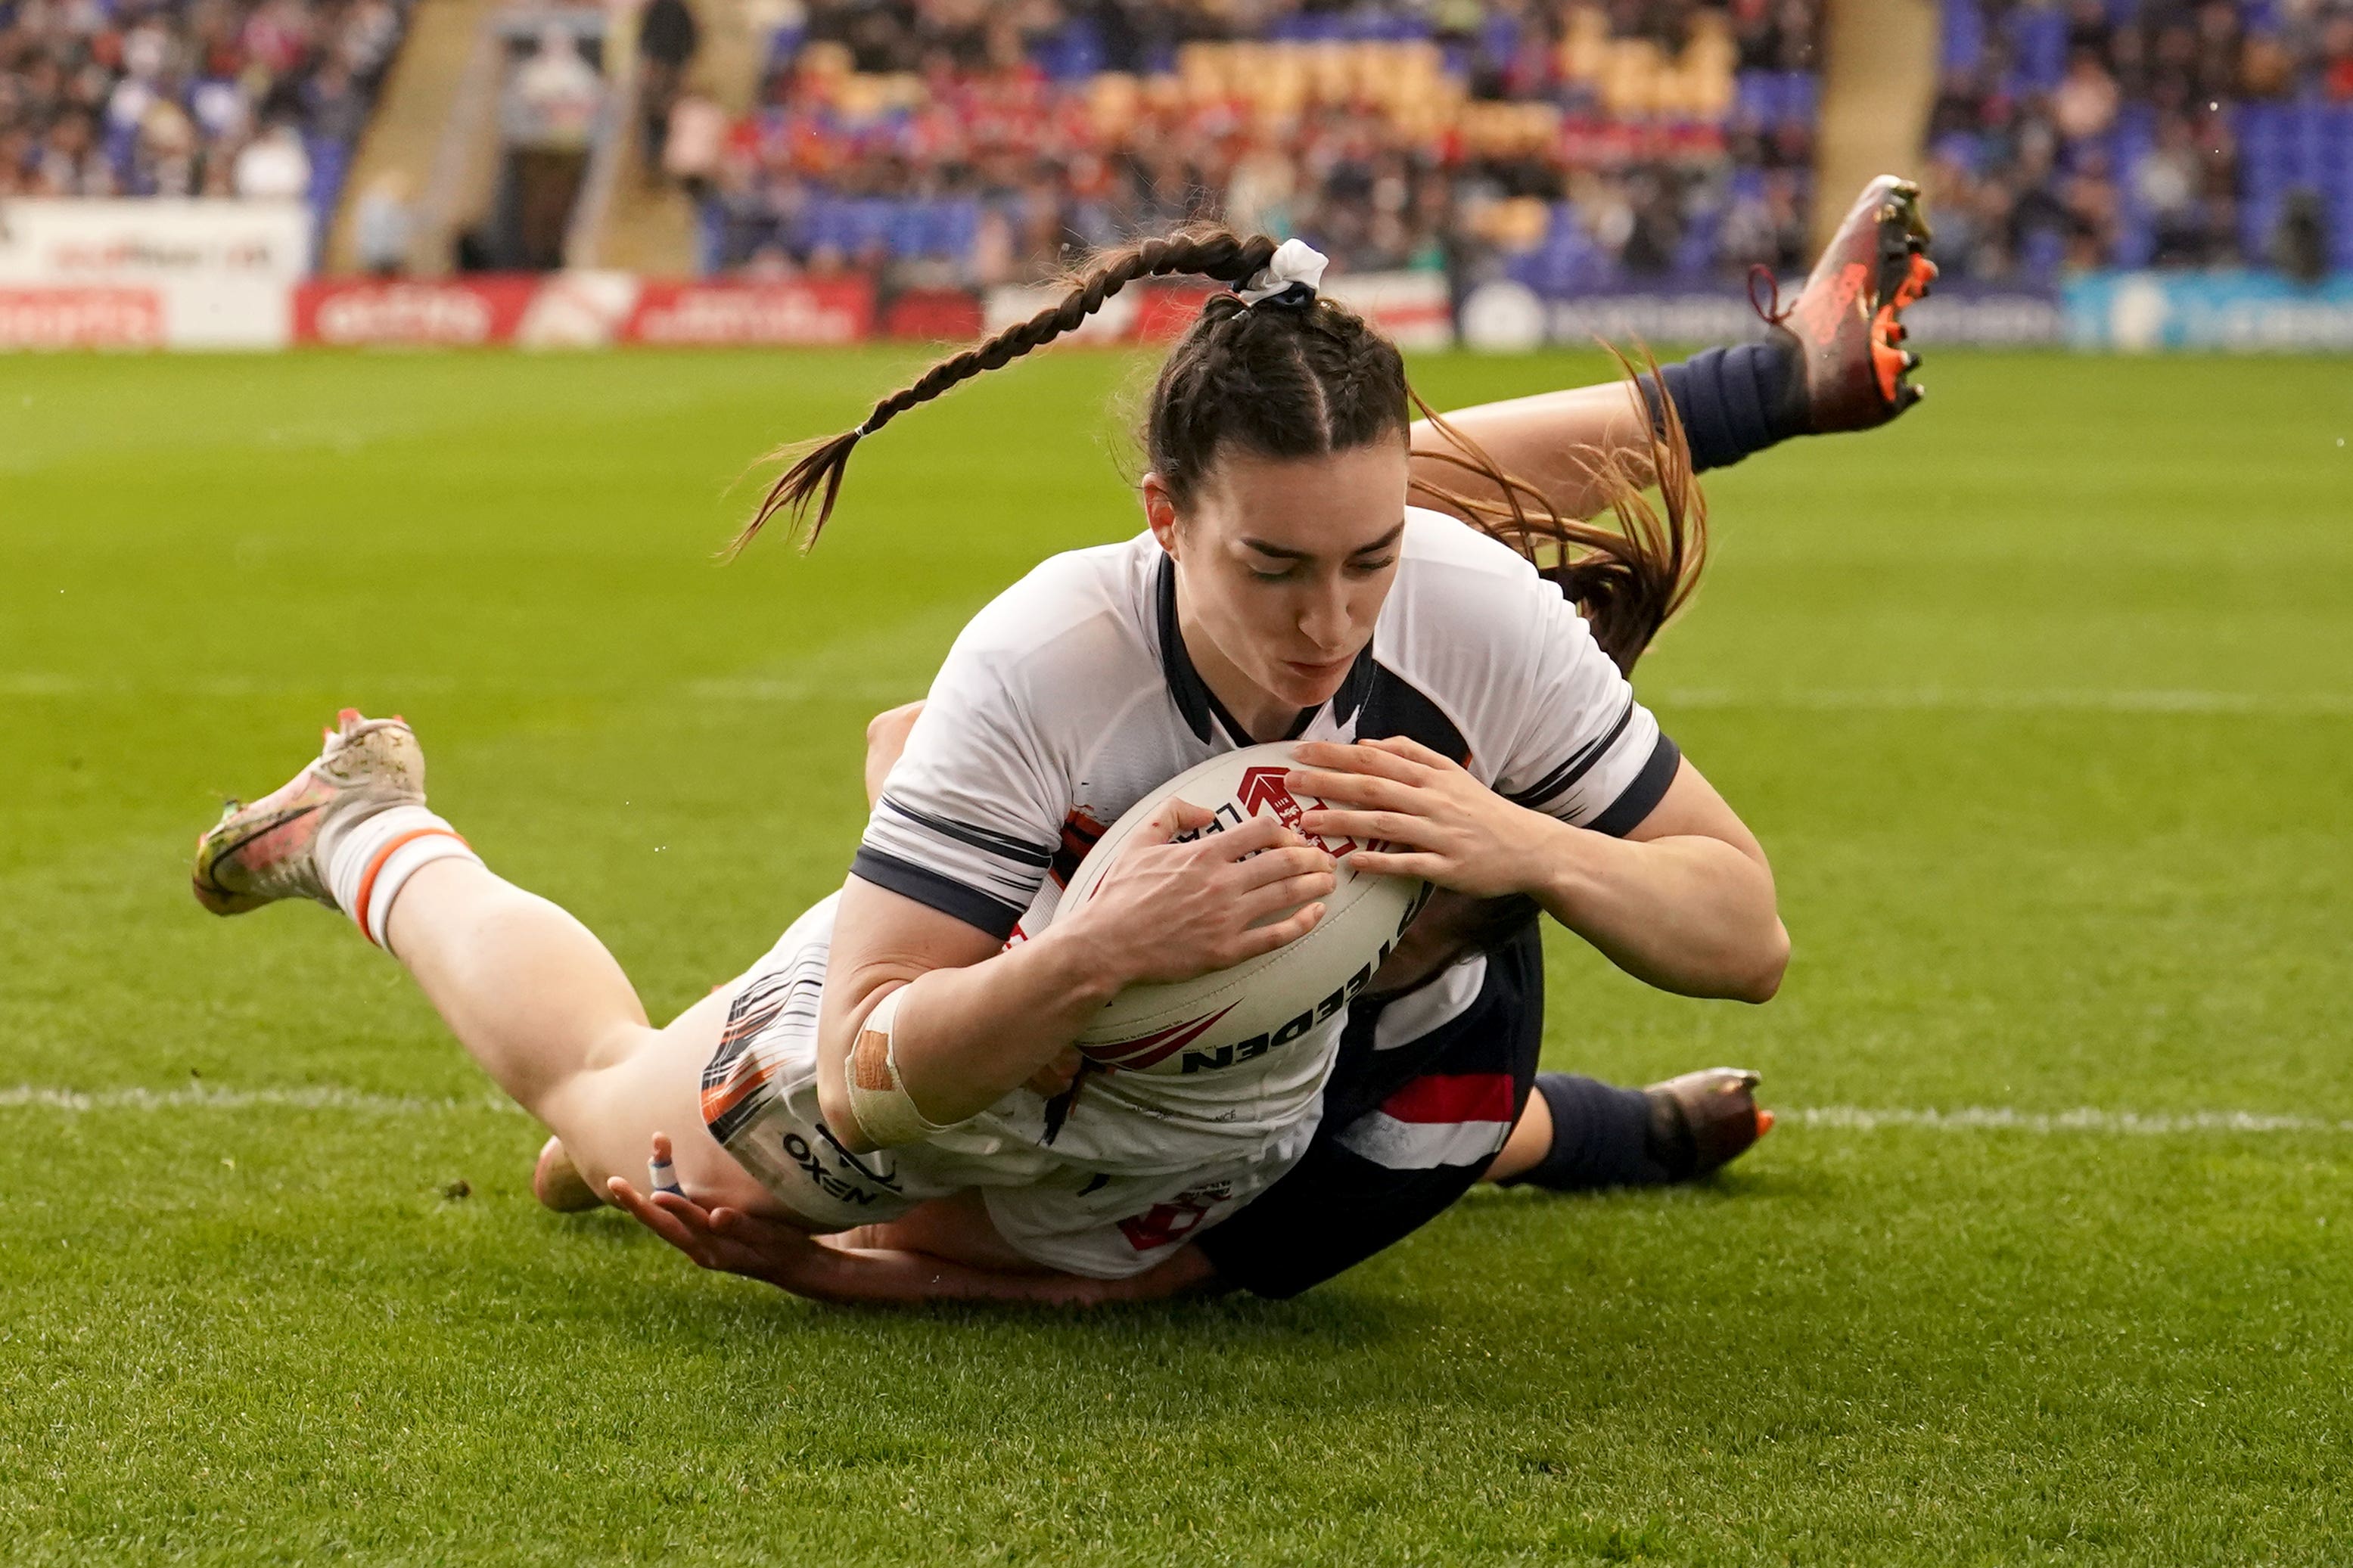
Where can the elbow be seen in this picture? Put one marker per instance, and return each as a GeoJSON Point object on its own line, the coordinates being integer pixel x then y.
{"type": "Point", "coordinates": [1763, 981]}
{"type": "Point", "coordinates": [833, 1105]}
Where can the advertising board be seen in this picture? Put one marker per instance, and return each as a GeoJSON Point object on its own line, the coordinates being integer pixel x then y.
{"type": "Point", "coordinates": [2143, 312]}
{"type": "Point", "coordinates": [195, 274]}
{"type": "Point", "coordinates": [1417, 309]}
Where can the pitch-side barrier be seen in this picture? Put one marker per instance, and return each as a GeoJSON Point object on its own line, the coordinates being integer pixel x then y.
{"type": "Point", "coordinates": [219, 274]}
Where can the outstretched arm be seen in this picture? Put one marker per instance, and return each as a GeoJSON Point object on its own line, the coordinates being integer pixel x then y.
{"type": "Point", "coordinates": [730, 1241]}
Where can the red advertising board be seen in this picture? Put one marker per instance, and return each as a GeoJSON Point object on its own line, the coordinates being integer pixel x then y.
{"type": "Point", "coordinates": [454, 312]}
{"type": "Point", "coordinates": [932, 315]}
{"type": "Point", "coordinates": [1164, 311]}
{"type": "Point", "coordinates": [40, 317]}
{"type": "Point", "coordinates": [726, 311]}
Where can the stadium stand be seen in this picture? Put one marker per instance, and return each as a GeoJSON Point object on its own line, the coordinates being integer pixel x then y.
{"type": "Point", "coordinates": [1569, 146]}
{"type": "Point", "coordinates": [188, 98]}
{"type": "Point", "coordinates": [2143, 134]}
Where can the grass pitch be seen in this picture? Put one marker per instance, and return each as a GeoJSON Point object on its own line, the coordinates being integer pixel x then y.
{"type": "Point", "coordinates": [2042, 701]}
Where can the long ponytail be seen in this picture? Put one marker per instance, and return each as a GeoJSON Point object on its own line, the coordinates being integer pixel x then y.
{"type": "Point", "coordinates": [814, 478]}
{"type": "Point", "coordinates": [1300, 380]}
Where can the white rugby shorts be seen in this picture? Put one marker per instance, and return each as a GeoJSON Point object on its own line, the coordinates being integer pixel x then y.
{"type": "Point", "coordinates": [1100, 1218]}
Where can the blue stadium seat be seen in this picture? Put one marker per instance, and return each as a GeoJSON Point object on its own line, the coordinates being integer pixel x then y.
{"type": "Point", "coordinates": [1963, 46]}
{"type": "Point", "coordinates": [2043, 255]}
{"type": "Point", "coordinates": [1073, 52]}
{"type": "Point", "coordinates": [2039, 34]}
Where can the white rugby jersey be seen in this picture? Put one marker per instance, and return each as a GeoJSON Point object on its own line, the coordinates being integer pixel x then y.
{"type": "Point", "coordinates": [1072, 697]}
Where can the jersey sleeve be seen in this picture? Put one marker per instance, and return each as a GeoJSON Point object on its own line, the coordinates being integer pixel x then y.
{"type": "Point", "coordinates": [969, 818]}
{"type": "Point", "coordinates": [1583, 749]}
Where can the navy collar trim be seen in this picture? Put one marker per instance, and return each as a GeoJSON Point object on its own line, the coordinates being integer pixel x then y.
{"type": "Point", "coordinates": [1199, 705]}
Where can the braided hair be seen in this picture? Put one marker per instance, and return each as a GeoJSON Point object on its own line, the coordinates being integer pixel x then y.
{"type": "Point", "coordinates": [1301, 376]}
{"type": "Point", "coordinates": [813, 482]}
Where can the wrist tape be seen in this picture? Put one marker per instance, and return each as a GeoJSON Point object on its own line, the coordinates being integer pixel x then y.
{"type": "Point", "coordinates": [877, 1097]}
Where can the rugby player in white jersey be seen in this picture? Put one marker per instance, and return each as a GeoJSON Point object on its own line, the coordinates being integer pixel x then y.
{"type": "Point", "coordinates": [1437, 1057]}
{"type": "Point", "coordinates": [1289, 505]}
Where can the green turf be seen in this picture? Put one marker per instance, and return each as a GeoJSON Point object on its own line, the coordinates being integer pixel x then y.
{"type": "Point", "coordinates": [2042, 701]}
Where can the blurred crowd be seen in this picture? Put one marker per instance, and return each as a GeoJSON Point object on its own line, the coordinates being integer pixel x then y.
{"type": "Point", "coordinates": [2143, 133]}
{"type": "Point", "coordinates": [1566, 142]}
{"type": "Point", "coordinates": [177, 98]}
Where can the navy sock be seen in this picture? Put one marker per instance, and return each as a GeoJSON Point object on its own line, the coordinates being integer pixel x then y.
{"type": "Point", "coordinates": [1734, 401]}
{"type": "Point", "coordinates": [1602, 1137]}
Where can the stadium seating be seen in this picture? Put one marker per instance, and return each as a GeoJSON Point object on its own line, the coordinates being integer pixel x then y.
{"type": "Point", "coordinates": [1565, 145]}
{"type": "Point", "coordinates": [189, 97]}
{"type": "Point", "coordinates": [2143, 133]}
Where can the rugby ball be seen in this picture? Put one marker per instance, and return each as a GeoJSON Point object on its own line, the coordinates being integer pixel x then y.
{"type": "Point", "coordinates": [1235, 1016]}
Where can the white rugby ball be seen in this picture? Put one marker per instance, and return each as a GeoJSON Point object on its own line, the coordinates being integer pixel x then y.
{"type": "Point", "coordinates": [1235, 1016]}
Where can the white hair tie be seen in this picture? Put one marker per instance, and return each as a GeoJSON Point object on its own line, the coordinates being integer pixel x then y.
{"type": "Point", "coordinates": [1290, 276]}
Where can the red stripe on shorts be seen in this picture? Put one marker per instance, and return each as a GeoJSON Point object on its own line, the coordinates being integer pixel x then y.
{"type": "Point", "coordinates": [1453, 1097]}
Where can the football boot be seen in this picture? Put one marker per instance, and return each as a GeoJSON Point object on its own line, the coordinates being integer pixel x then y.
{"type": "Point", "coordinates": [1703, 1121]}
{"type": "Point", "coordinates": [1847, 323]}
{"type": "Point", "coordinates": [278, 847]}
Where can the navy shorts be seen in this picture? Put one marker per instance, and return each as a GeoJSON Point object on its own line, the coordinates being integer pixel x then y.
{"type": "Point", "coordinates": [1426, 1088]}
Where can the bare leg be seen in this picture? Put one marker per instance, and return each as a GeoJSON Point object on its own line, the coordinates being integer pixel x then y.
{"type": "Point", "coordinates": [1549, 440]}
{"type": "Point", "coordinates": [1530, 1141]}
{"type": "Point", "coordinates": [559, 1181]}
{"type": "Point", "coordinates": [536, 999]}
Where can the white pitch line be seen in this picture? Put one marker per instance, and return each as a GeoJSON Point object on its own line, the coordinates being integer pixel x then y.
{"type": "Point", "coordinates": [1827, 1118]}
{"type": "Point", "coordinates": [2063, 700]}
{"type": "Point", "coordinates": [2003, 1119]}
{"type": "Point", "coordinates": [203, 1096]}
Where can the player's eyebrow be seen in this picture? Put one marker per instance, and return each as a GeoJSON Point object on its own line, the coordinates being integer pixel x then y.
{"type": "Point", "coordinates": [1282, 553]}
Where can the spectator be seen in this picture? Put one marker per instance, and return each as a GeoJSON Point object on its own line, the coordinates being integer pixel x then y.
{"type": "Point", "coordinates": [162, 97]}
{"type": "Point", "coordinates": [2336, 59]}
{"type": "Point", "coordinates": [2086, 103]}
{"type": "Point", "coordinates": [382, 227]}
{"type": "Point", "coordinates": [2170, 186]}
{"type": "Point", "coordinates": [668, 37]}
{"type": "Point", "coordinates": [2189, 120]}
{"type": "Point", "coordinates": [989, 122]}
{"type": "Point", "coordinates": [273, 166]}
{"type": "Point", "coordinates": [694, 144]}
{"type": "Point", "coordinates": [2300, 244]}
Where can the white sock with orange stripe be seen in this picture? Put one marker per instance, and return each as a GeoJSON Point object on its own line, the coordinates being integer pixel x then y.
{"type": "Point", "coordinates": [369, 862]}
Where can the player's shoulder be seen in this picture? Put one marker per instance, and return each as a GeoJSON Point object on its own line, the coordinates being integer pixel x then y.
{"type": "Point", "coordinates": [1084, 596]}
{"type": "Point", "coordinates": [1069, 631]}
{"type": "Point", "coordinates": [1449, 545]}
{"type": "Point", "coordinates": [1455, 584]}
{"type": "Point", "coordinates": [1448, 556]}
{"type": "Point", "coordinates": [1470, 622]}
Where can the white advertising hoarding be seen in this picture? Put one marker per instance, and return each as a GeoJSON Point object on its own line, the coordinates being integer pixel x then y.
{"type": "Point", "coordinates": [212, 273]}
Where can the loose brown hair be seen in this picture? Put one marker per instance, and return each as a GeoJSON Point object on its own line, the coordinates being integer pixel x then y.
{"type": "Point", "coordinates": [1306, 377]}
{"type": "Point", "coordinates": [1629, 581]}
